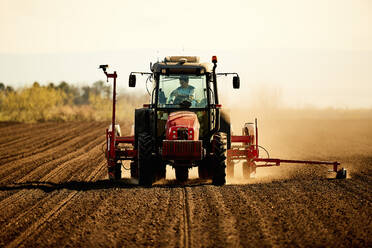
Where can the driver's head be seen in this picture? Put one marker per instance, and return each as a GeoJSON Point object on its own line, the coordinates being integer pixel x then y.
{"type": "Point", "coordinates": [184, 81]}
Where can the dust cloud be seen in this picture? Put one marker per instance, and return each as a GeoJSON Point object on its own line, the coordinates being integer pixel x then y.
{"type": "Point", "coordinates": [310, 134]}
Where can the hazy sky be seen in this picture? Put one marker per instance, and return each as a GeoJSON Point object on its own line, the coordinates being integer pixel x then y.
{"type": "Point", "coordinates": [315, 52]}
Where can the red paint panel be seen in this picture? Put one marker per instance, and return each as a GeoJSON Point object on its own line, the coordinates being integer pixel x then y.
{"type": "Point", "coordinates": [245, 139]}
{"type": "Point", "coordinates": [125, 139]}
{"type": "Point", "coordinates": [182, 150]}
{"type": "Point", "coordinates": [182, 119]}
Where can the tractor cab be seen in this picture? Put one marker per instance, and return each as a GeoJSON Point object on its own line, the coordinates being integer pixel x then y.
{"type": "Point", "coordinates": [183, 84]}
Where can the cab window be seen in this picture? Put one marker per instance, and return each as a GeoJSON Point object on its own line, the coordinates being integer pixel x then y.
{"type": "Point", "coordinates": [176, 91]}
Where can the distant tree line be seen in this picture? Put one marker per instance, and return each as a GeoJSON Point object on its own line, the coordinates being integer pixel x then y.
{"type": "Point", "coordinates": [4, 89]}
{"type": "Point", "coordinates": [62, 102]}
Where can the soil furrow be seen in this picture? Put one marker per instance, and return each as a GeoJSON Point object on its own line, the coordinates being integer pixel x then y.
{"type": "Point", "coordinates": [27, 165]}
{"type": "Point", "coordinates": [38, 143]}
{"type": "Point", "coordinates": [17, 131]}
{"type": "Point", "coordinates": [69, 171]}
{"type": "Point", "coordinates": [186, 221]}
{"type": "Point", "coordinates": [34, 135]}
{"type": "Point", "coordinates": [61, 197]}
{"type": "Point", "coordinates": [49, 216]}
{"type": "Point", "coordinates": [44, 174]}
{"type": "Point", "coordinates": [265, 214]}
{"type": "Point", "coordinates": [227, 221]}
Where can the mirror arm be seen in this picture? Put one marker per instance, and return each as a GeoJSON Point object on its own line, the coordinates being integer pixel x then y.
{"type": "Point", "coordinates": [227, 73]}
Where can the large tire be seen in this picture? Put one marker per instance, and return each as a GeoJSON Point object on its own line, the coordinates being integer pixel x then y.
{"type": "Point", "coordinates": [161, 173]}
{"type": "Point", "coordinates": [204, 169]}
{"type": "Point", "coordinates": [341, 174]}
{"type": "Point", "coordinates": [219, 159]}
{"type": "Point", "coordinates": [146, 172]}
{"type": "Point", "coordinates": [203, 172]}
{"type": "Point", "coordinates": [159, 169]}
{"type": "Point", "coordinates": [115, 172]}
{"type": "Point", "coordinates": [182, 173]}
{"type": "Point", "coordinates": [134, 169]}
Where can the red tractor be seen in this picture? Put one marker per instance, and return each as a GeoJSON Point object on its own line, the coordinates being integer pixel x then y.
{"type": "Point", "coordinates": [184, 126]}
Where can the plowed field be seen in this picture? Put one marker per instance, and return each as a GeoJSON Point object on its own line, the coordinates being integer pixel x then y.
{"type": "Point", "coordinates": [54, 192]}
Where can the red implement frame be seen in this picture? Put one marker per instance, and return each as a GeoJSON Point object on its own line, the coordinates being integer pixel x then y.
{"type": "Point", "coordinates": [113, 151]}
{"type": "Point", "coordinates": [248, 151]}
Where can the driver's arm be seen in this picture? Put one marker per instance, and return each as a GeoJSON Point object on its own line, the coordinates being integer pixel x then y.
{"type": "Point", "coordinates": [172, 96]}
{"type": "Point", "coordinates": [192, 94]}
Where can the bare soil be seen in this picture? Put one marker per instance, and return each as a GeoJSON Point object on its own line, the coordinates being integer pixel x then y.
{"type": "Point", "coordinates": [54, 192]}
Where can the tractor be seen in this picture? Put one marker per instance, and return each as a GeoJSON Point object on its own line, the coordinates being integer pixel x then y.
{"type": "Point", "coordinates": [184, 126]}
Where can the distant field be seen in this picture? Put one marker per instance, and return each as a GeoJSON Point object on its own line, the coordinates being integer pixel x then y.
{"type": "Point", "coordinates": [53, 192]}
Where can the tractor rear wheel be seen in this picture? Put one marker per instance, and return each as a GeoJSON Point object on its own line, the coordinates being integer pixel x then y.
{"type": "Point", "coordinates": [219, 159]}
{"type": "Point", "coordinates": [182, 173]}
{"type": "Point", "coordinates": [145, 169]}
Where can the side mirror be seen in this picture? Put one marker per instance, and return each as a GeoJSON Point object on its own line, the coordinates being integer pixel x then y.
{"type": "Point", "coordinates": [236, 82]}
{"type": "Point", "coordinates": [132, 80]}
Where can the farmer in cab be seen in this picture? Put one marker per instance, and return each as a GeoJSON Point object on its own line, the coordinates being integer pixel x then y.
{"type": "Point", "coordinates": [185, 92]}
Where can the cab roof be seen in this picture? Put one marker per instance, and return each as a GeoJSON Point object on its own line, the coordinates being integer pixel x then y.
{"type": "Point", "coordinates": [181, 64]}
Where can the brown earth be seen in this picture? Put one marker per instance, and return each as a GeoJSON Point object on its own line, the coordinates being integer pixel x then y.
{"type": "Point", "coordinates": [54, 192]}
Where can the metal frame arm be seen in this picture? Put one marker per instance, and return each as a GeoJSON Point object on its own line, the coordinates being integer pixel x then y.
{"type": "Point", "coordinates": [227, 73]}
{"type": "Point", "coordinates": [141, 73]}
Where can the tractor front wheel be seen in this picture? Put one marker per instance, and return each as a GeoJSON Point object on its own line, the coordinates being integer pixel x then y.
{"type": "Point", "coordinates": [204, 169]}
{"type": "Point", "coordinates": [161, 170]}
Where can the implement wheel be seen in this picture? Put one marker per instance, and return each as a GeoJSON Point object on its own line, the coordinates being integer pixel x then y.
{"type": "Point", "coordinates": [341, 174]}
{"type": "Point", "coordinates": [114, 172]}
{"type": "Point", "coordinates": [230, 168]}
{"type": "Point", "coordinates": [145, 169]}
{"type": "Point", "coordinates": [219, 159]}
{"type": "Point", "coordinates": [248, 168]}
